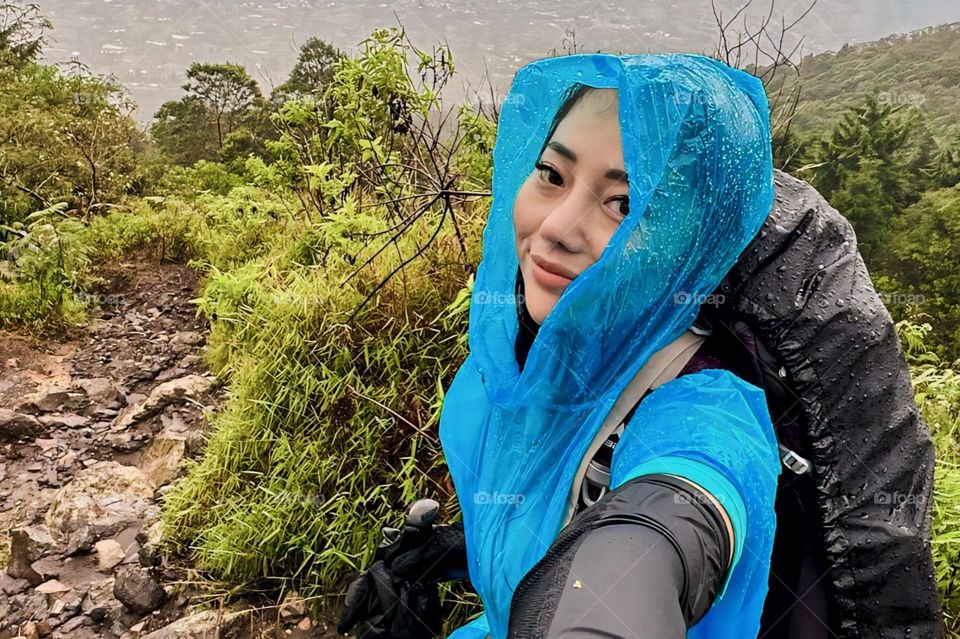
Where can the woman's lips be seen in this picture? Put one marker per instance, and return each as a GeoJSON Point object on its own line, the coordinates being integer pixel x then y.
{"type": "Point", "coordinates": [548, 279]}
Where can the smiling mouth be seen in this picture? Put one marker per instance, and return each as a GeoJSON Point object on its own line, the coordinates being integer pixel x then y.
{"type": "Point", "coordinates": [548, 279]}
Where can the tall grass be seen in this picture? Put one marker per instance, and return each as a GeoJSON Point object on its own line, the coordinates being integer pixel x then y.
{"type": "Point", "coordinates": [937, 391]}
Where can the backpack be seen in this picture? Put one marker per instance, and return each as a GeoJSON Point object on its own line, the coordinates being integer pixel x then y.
{"type": "Point", "coordinates": [799, 317]}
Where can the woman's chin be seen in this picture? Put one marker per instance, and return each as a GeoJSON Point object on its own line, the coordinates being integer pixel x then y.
{"type": "Point", "coordinates": [539, 306]}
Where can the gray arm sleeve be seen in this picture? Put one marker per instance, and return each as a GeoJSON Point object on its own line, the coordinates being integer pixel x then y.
{"type": "Point", "coordinates": [646, 561]}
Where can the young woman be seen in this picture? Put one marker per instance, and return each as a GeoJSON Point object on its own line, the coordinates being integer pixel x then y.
{"type": "Point", "coordinates": [622, 205]}
{"type": "Point", "coordinates": [625, 189]}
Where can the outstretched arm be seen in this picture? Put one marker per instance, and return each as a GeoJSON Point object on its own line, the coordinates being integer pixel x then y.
{"type": "Point", "coordinates": [647, 560]}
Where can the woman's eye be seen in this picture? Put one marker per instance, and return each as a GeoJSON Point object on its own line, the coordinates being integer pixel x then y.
{"type": "Point", "coordinates": [552, 172]}
{"type": "Point", "coordinates": [624, 201]}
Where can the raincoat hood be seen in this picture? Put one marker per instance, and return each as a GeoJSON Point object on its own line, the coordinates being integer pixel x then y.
{"type": "Point", "coordinates": [696, 146]}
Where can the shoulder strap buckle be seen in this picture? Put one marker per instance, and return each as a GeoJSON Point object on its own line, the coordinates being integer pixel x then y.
{"type": "Point", "coordinates": [793, 461]}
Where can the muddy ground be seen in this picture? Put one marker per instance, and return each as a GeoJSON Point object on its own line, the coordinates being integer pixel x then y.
{"type": "Point", "coordinates": [95, 424]}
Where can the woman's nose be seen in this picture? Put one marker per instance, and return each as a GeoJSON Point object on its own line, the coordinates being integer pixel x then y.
{"type": "Point", "coordinates": [567, 219]}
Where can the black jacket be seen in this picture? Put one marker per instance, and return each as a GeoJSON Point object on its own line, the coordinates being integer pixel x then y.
{"type": "Point", "coordinates": [798, 314]}
{"type": "Point", "coordinates": [840, 394]}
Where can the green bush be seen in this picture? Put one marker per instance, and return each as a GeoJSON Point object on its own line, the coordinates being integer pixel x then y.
{"type": "Point", "coordinates": [937, 391]}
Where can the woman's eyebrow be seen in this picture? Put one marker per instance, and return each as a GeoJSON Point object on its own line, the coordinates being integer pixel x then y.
{"type": "Point", "coordinates": [612, 174]}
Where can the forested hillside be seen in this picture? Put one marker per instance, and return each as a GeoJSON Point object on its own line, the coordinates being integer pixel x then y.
{"type": "Point", "coordinates": [920, 69]}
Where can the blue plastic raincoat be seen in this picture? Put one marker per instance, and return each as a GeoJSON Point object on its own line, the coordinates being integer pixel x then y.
{"type": "Point", "coordinates": [696, 145]}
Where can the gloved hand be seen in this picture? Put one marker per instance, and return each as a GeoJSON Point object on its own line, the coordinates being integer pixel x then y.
{"type": "Point", "coordinates": [397, 596]}
{"type": "Point", "coordinates": [441, 557]}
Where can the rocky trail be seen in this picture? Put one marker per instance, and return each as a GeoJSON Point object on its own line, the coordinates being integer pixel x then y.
{"type": "Point", "coordinates": [94, 427]}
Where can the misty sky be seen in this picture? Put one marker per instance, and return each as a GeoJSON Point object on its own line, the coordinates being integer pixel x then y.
{"type": "Point", "coordinates": [147, 44]}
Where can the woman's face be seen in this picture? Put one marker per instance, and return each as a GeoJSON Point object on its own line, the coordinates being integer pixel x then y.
{"type": "Point", "coordinates": [573, 201]}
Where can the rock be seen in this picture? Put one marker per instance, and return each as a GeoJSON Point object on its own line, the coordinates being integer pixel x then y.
{"type": "Point", "coordinates": [66, 460]}
{"type": "Point", "coordinates": [166, 393]}
{"type": "Point", "coordinates": [305, 624]}
{"type": "Point", "coordinates": [58, 606]}
{"type": "Point", "coordinates": [127, 539]}
{"type": "Point", "coordinates": [69, 603]}
{"type": "Point", "coordinates": [199, 626]}
{"type": "Point", "coordinates": [49, 399]}
{"type": "Point", "coordinates": [47, 567]}
{"type": "Point", "coordinates": [138, 589]}
{"type": "Point", "coordinates": [29, 630]}
{"type": "Point", "coordinates": [293, 605]}
{"type": "Point", "coordinates": [189, 360]}
{"type": "Point", "coordinates": [102, 500]}
{"type": "Point", "coordinates": [68, 420]}
{"type": "Point", "coordinates": [163, 458]}
{"type": "Point", "coordinates": [99, 390]}
{"type": "Point", "coordinates": [134, 398]}
{"type": "Point", "coordinates": [109, 553]}
{"type": "Point", "coordinates": [149, 540]}
{"type": "Point", "coordinates": [71, 625]}
{"type": "Point", "coordinates": [122, 442]}
{"type": "Point", "coordinates": [12, 586]}
{"type": "Point", "coordinates": [170, 373]}
{"type": "Point", "coordinates": [15, 426]}
{"type": "Point", "coordinates": [188, 338]}
{"type": "Point", "coordinates": [27, 545]}
{"type": "Point", "coordinates": [46, 444]}
{"type": "Point", "coordinates": [173, 422]}
{"type": "Point", "coordinates": [99, 602]}
{"type": "Point", "coordinates": [12, 362]}
{"type": "Point", "coordinates": [52, 587]}
{"type": "Point", "coordinates": [24, 607]}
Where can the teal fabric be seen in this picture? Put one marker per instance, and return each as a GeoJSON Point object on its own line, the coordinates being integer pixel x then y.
{"type": "Point", "coordinates": [696, 144]}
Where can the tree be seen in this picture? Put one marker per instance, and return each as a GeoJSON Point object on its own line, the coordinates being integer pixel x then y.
{"type": "Point", "coordinates": [226, 90]}
{"type": "Point", "coordinates": [65, 137]}
{"type": "Point", "coordinates": [312, 72]}
{"type": "Point", "coordinates": [944, 167]}
{"type": "Point", "coordinates": [99, 130]}
{"type": "Point", "coordinates": [925, 259]}
{"type": "Point", "coordinates": [183, 131]}
{"type": "Point", "coordinates": [223, 103]}
{"type": "Point", "coordinates": [22, 30]}
{"type": "Point", "coordinates": [874, 130]}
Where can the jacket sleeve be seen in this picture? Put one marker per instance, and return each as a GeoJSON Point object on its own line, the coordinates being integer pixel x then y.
{"type": "Point", "coordinates": [649, 555]}
{"type": "Point", "coordinates": [713, 429]}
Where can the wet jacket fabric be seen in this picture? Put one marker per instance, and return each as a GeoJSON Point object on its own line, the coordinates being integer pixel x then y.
{"type": "Point", "coordinates": [840, 394]}
{"type": "Point", "coordinates": [697, 152]}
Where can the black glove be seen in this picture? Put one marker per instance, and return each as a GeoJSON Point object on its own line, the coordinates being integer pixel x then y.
{"type": "Point", "coordinates": [382, 606]}
{"type": "Point", "coordinates": [397, 597]}
{"type": "Point", "coordinates": [441, 557]}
